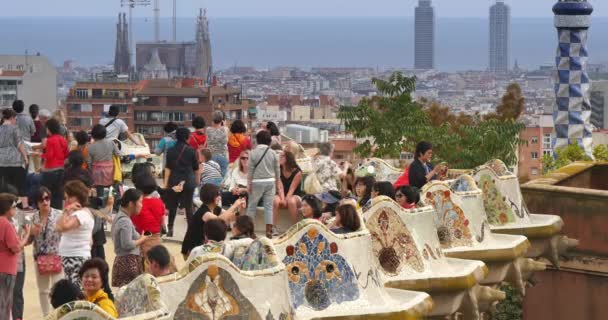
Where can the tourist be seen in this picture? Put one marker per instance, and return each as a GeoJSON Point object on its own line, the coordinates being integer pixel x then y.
{"type": "Point", "coordinates": [54, 155]}
{"type": "Point", "coordinates": [34, 110]}
{"type": "Point", "coordinates": [329, 202]}
{"type": "Point", "coordinates": [215, 231]}
{"type": "Point", "coordinates": [311, 207]}
{"type": "Point", "coordinates": [217, 141]}
{"type": "Point", "coordinates": [326, 170]}
{"type": "Point", "coordinates": [236, 181]}
{"type": "Point", "coordinates": [92, 276]}
{"type": "Point", "coordinates": [150, 220]}
{"type": "Point", "coordinates": [347, 185]}
{"type": "Point", "coordinates": [82, 144]}
{"type": "Point", "coordinates": [117, 128]}
{"type": "Point", "coordinates": [237, 141]}
{"type": "Point", "coordinates": [421, 170]}
{"type": "Point", "coordinates": [24, 122]}
{"type": "Point", "coordinates": [181, 169]}
{"type": "Point", "coordinates": [128, 263]}
{"type": "Point", "coordinates": [363, 190]}
{"type": "Point", "coordinates": [13, 155]}
{"type": "Point", "coordinates": [11, 247]}
{"type": "Point", "coordinates": [99, 159]}
{"type": "Point", "coordinates": [64, 291]}
{"type": "Point", "coordinates": [198, 138]}
{"type": "Point", "coordinates": [347, 220]}
{"type": "Point", "coordinates": [211, 171]}
{"type": "Point", "coordinates": [243, 228]}
{"type": "Point", "coordinates": [59, 115]}
{"type": "Point", "coordinates": [167, 142]}
{"type": "Point", "coordinates": [383, 188]}
{"type": "Point", "coordinates": [275, 134]}
{"type": "Point", "coordinates": [74, 170]}
{"type": "Point", "coordinates": [45, 240]}
{"type": "Point", "coordinates": [76, 227]}
{"type": "Point", "coordinates": [407, 197]}
{"type": "Point", "coordinates": [158, 261]}
{"type": "Point", "coordinates": [19, 223]}
{"type": "Point", "coordinates": [291, 178]}
{"type": "Point", "coordinates": [210, 209]}
{"type": "Point", "coordinates": [263, 179]}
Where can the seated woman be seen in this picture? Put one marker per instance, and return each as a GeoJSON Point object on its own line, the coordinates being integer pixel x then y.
{"type": "Point", "coordinates": [363, 190]}
{"type": "Point", "coordinates": [421, 170]}
{"type": "Point", "coordinates": [291, 177]}
{"type": "Point", "coordinates": [243, 228]}
{"type": "Point", "coordinates": [347, 220]}
{"type": "Point", "coordinates": [210, 210]}
{"type": "Point", "coordinates": [383, 188]}
{"type": "Point", "coordinates": [91, 276]}
{"type": "Point", "coordinates": [236, 181]}
{"type": "Point", "coordinates": [215, 233]}
{"type": "Point", "coordinates": [329, 202]}
{"type": "Point", "coordinates": [311, 207]}
{"type": "Point", "coordinates": [407, 196]}
{"type": "Point", "coordinates": [64, 291]}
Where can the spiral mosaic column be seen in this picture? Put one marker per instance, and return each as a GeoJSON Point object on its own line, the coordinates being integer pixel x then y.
{"type": "Point", "coordinates": [573, 113]}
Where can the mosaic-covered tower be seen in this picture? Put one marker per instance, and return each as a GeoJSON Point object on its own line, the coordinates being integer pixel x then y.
{"type": "Point", "coordinates": [573, 113]}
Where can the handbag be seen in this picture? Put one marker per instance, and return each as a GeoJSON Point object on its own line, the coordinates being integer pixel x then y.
{"type": "Point", "coordinates": [312, 184]}
{"type": "Point", "coordinates": [48, 263]}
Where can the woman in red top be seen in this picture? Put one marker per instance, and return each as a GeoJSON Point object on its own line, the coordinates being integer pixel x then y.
{"type": "Point", "coordinates": [55, 153]}
{"type": "Point", "coordinates": [237, 141]}
{"type": "Point", "coordinates": [150, 218]}
{"type": "Point", "coordinates": [407, 196]}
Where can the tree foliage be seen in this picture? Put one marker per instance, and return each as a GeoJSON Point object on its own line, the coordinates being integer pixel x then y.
{"type": "Point", "coordinates": [571, 153]}
{"type": "Point", "coordinates": [511, 307]}
{"type": "Point", "coordinates": [511, 106]}
{"type": "Point", "coordinates": [392, 122]}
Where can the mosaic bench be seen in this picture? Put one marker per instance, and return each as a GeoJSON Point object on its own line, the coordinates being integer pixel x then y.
{"type": "Point", "coordinates": [408, 255]}
{"type": "Point", "coordinates": [508, 214]}
{"type": "Point", "coordinates": [332, 276]}
{"type": "Point", "coordinates": [464, 232]}
{"type": "Point", "coordinates": [212, 287]}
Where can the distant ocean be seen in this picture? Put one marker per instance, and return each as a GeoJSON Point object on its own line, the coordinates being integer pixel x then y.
{"type": "Point", "coordinates": [305, 42]}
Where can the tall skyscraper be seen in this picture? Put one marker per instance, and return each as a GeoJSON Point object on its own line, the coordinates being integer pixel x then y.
{"type": "Point", "coordinates": [500, 30]}
{"type": "Point", "coordinates": [424, 55]}
{"type": "Point", "coordinates": [572, 118]}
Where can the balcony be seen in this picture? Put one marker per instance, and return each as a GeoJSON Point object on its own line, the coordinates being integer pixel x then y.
{"type": "Point", "coordinates": [99, 98]}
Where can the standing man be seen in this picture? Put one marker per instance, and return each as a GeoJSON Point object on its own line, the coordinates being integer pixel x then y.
{"type": "Point", "coordinates": [116, 128]}
{"type": "Point", "coordinates": [25, 123]}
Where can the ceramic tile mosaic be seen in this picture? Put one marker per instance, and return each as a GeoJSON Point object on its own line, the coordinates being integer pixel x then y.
{"type": "Point", "coordinates": [258, 255]}
{"type": "Point", "coordinates": [498, 211]}
{"type": "Point", "coordinates": [378, 168]}
{"type": "Point", "coordinates": [393, 245]}
{"type": "Point", "coordinates": [215, 295]}
{"type": "Point", "coordinates": [499, 167]}
{"type": "Point", "coordinates": [318, 275]}
{"type": "Point", "coordinates": [453, 230]}
{"type": "Point", "coordinates": [140, 296]}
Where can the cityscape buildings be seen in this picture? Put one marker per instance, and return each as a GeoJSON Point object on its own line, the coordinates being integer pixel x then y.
{"type": "Point", "coordinates": [500, 30]}
{"type": "Point", "coordinates": [424, 55]}
{"type": "Point", "coordinates": [32, 79]}
{"type": "Point", "coordinates": [599, 104]}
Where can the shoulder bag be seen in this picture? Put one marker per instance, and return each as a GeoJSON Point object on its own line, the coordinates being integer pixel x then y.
{"type": "Point", "coordinates": [48, 263]}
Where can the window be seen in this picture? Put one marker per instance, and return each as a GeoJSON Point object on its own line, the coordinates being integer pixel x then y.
{"type": "Point", "coordinates": [534, 171]}
{"type": "Point", "coordinates": [534, 155]}
{"type": "Point", "coordinates": [547, 141]}
{"type": "Point", "coordinates": [174, 116]}
{"type": "Point", "coordinates": [548, 152]}
{"type": "Point", "coordinates": [81, 108]}
{"type": "Point", "coordinates": [82, 93]}
{"type": "Point", "coordinates": [534, 140]}
{"type": "Point", "coordinates": [81, 122]}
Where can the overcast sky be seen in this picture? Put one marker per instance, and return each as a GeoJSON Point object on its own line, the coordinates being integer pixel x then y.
{"type": "Point", "coordinates": [287, 8]}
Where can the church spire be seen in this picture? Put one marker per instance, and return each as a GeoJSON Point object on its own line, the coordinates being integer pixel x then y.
{"type": "Point", "coordinates": [204, 66]}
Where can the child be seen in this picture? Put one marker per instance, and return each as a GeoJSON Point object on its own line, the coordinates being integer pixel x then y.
{"type": "Point", "coordinates": [347, 220]}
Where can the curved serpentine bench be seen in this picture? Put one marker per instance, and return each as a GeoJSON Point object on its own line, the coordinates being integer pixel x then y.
{"type": "Point", "coordinates": [407, 254]}
{"type": "Point", "coordinates": [333, 276]}
{"type": "Point", "coordinates": [464, 232]}
{"type": "Point", "coordinates": [507, 213]}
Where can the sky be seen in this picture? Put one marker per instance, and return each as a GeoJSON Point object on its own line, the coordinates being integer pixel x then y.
{"type": "Point", "coordinates": [283, 8]}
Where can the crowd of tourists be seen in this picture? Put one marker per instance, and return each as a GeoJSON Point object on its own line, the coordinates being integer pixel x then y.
{"type": "Point", "coordinates": [60, 190]}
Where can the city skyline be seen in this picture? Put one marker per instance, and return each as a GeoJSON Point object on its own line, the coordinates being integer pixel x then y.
{"type": "Point", "coordinates": [500, 37]}
{"type": "Point", "coordinates": [266, 8]}
{"type": "Point", "coordinates": [424, 36]}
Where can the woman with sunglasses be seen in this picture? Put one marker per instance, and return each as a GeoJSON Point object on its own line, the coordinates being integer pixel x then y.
{"type": "Point", "coordinates": [10, 248]}
{"type": "Point", "coordinates": [46, 243]}
{"type": "Point", "coordinates": [237, 181]}
{"type": "Point", "coordinates": [211, 209]}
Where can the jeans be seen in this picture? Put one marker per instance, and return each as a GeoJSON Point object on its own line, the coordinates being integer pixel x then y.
{"type": "Point", "coordinates": [173, 200]}
{"type": "Point", "coordinates": [222, 160]}
{"type": "Point", "coordinates": [53, 180]}
{"type": "Point", "coordinates": [7, 283]}
{"type": "Point", "coordinates": [18, 294]}
{"type": "Point", "coordinates": [215, 182]}
{"type": "Point", "coordinates": [265, 191]}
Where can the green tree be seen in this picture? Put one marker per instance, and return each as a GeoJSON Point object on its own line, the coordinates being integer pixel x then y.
{"type": "Point", "coordinates": [571, 153]}
{"type": "Point", "coordinates": [393, 122]}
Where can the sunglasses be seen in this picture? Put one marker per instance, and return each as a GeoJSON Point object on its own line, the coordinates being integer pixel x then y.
{"type": "Point", "coordinates": [244, 158]}
{"type": "Point", "coordinates": [46, 199]}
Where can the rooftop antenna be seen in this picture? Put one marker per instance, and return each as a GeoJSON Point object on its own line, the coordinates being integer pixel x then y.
{"type": "Point", "coordinates": [132, 4]}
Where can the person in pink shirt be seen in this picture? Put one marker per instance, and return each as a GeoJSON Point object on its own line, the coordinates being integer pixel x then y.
{"type": "Point", "coordinates": [10, 247]}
